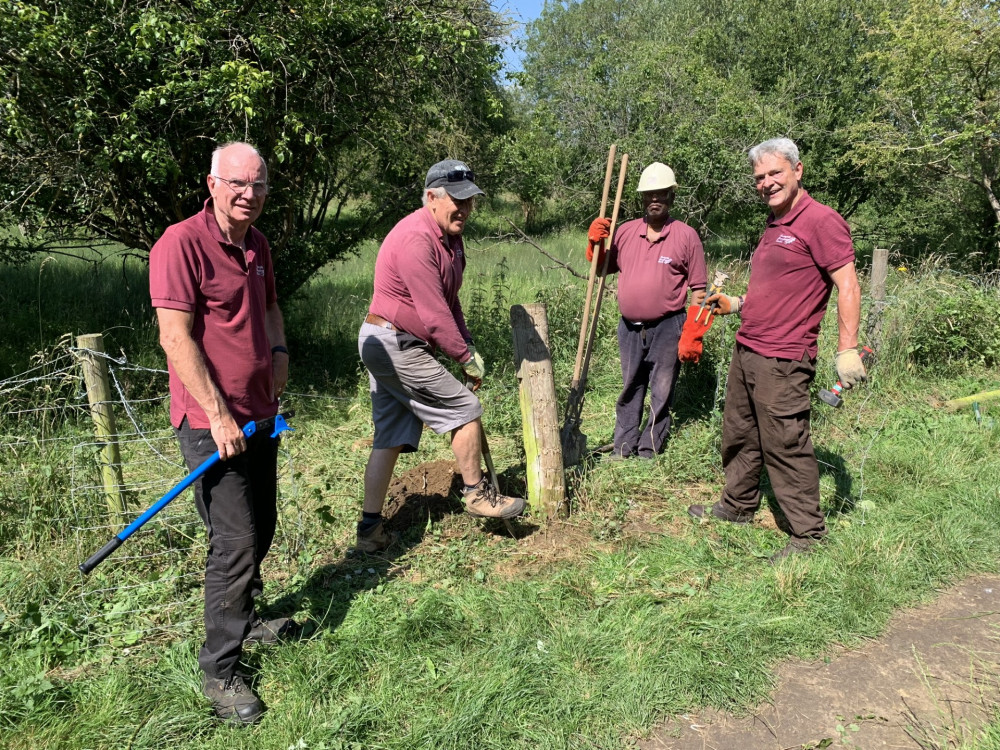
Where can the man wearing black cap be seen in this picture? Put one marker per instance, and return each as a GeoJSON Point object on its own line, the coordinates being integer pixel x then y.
{"type": "Point", "coordinates": [415, 311]}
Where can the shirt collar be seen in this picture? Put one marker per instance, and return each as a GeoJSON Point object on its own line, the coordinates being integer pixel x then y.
{"type": "Point", "coordinates": [212, 225]}
{"type": "Point", "coordinates": [797, 209]}
{"type": "Point", "coordinates": [663, 232]}
{"type": "Point", "coordinates": [444, 237]}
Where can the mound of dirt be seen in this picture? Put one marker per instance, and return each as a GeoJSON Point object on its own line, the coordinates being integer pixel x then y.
{"type": "Point", "coordinates": [428, 490]}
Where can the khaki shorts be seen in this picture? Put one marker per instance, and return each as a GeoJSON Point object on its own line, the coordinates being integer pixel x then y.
{"type": "Point", "coordinates": [410, 388]}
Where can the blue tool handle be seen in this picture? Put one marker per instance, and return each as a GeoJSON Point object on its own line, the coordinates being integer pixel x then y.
{"type": "Point", "coordinates": [279, 425]}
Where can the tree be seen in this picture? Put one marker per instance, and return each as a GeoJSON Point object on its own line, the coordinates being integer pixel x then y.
{"type": "Point", "coordinates": [109, 112]}
{"type": "Point", "coordinates": [696, 83]}
{"type": "Point", "coordinates": [938, 114]}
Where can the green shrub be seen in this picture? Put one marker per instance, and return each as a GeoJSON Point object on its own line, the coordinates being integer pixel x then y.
{"type": "Point", "coordinates": [945, 323]}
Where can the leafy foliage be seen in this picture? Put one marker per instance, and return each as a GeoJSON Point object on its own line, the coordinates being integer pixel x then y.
{"type": "Point", "coordinates": [110, 112]}
{"type": "Point", "coordinates": [893, 105]}
{"type": "Point", "coordinates": [938, 112]}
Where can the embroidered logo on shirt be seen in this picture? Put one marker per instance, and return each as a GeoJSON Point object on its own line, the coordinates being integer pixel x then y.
{"type": "Point", "coordinates": [260, 270]}
{"type": "Point", "coordinates": [665, 259]}
{"type": "Point", "coordinates": [786, 239]}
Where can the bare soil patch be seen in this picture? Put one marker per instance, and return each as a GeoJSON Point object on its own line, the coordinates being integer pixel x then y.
{"type": "Point", "coordinates": [926, 684]}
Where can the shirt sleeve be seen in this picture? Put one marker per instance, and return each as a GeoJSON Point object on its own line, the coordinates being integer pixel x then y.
{"type": "Point", "coordinates": [831, 245]}
{"type": "Point", "coordinates": [697, 272]}
{"type": "Point", "coordinates": [173, 273]}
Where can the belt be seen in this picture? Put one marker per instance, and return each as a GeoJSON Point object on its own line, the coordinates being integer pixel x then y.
{"type": "Point", "coordinates": [378, 320]}
{"type": "Point", "coordinates": [651, 323]}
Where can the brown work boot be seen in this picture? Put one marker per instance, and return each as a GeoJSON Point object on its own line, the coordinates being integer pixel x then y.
{"type": "Point", "coordinates": [269, 632]}
{"type": "Point", "coordinates": [375, 539]}
{"type": "Point", "coordinates": [796, 546]}
{"type": "Point", "coordinates": [232, 699]}
{"type": "Point", "coordinates": [721, 512]}
{"type": "Point", "coordinates": [483, 501]}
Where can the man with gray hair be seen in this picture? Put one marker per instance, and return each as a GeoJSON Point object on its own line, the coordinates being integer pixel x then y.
{"type": "Point", "coordinates": [212, 284]}
{"type": "Point", "coordinates": [415, 311]}
{"type": "Point", "coordinates": [806, 250]}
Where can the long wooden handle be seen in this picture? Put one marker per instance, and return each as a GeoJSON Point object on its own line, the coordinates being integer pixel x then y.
{"type": "Point", "coordinates": [584, 323]}
{"type": "Point", "coordinates": [604, 270]}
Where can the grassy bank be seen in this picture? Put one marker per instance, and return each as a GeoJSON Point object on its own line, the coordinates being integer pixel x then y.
{"type": "Point", "coordinates": [578, 634]}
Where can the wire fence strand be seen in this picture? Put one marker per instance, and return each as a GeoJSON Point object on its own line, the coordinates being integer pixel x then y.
{"type": "Point", "coordinates": [52, 494]}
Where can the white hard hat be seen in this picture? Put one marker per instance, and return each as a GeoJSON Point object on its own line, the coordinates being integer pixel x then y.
{"type": "Point", "coordinates": [656, 176]}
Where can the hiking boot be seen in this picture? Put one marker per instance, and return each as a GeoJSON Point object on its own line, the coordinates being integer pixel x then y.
{"type": "Point", "coordinates": [269, 632]}
{"type": "Point", "coordinates": [720, 512]}
{"type": "Point", "coordinates": [796, 546]}
{"type": "Point", "coordinates": [483, 501]}
{"type": "Point", "coordinates": [375, 539]}
{"type": "Point", "coordinates": [232, 699]}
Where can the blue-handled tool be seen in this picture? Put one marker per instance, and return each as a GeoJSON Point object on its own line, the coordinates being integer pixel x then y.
{"type": "Point", "coordinates": [277, 422]}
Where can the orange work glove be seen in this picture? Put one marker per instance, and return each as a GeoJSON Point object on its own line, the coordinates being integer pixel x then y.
{"type": "Point", "coordinates": [689, 347]}
{"type": "Point", "coordinates": [600, 253]}
{"type": "Point", "coordinates": [600, 230]}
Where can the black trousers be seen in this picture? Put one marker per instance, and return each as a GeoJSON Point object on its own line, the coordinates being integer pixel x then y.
{"type": "Point", "coordinates": [649, 363]}
{"type": "Point", "coordinates": [237, 500]}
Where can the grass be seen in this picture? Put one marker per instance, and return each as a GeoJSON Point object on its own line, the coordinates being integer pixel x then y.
{"type": "Point", "coordinates": [584, 634]}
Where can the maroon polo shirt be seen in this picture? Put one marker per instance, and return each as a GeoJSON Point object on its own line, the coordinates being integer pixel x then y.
{"type": "Point", "coordinates": [654, 277]}
{"type": "Point", "coordinates": [194, 269]}
{"type": "Point", "coordinates": [790, 280]}
{"type": "Point", "coordinates": [418, 272]}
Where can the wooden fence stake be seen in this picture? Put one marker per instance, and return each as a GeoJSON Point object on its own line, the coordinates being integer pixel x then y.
{"type": "Point", "coordinates": [95, 373]}
{"type": "Point", "coordinates": [539, 410]}
{"type": "Point", "coordinates": [880, 272]}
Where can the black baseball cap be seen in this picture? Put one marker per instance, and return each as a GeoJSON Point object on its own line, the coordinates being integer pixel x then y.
{"type": "Point", "coordinates": [455, 177]}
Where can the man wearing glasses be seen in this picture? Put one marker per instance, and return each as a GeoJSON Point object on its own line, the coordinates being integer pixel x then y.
{"type": "Point", "coordinates": [657, 260]}
{"type": "Point", "coordinates": [212, 284]}
{"type": "Point", "coordinates": [415, 311]}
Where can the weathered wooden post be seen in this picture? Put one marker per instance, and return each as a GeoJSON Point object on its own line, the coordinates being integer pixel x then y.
{"type": "Point", "coordinates": [539, 410]}
{"type": "Point", "coordinates": [880, 272]}
{"type": "Point", "coordinates": [95, 373]}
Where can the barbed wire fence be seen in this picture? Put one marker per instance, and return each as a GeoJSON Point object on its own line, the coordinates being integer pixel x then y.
{"type": "Point", "coordinates": [54, 496]}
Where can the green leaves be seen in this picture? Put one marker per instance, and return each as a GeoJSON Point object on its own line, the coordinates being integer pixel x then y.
{"type": "Point", "coordinates": [111, 111]}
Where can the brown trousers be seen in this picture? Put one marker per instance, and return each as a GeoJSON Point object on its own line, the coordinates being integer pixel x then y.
{"type": "Point", "coordinates": [766, 424]}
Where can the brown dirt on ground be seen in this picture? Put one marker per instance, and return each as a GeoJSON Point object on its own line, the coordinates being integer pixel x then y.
{"type": "Point", "coordinates": [430, 489]}
{"type": "Point", "coordinates": [926, 684]}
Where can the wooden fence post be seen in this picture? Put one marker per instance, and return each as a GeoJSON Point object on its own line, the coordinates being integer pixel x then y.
{"type": "Point", "coordinates": [880, 272]}
{"type": "Point", "coordinates": [539, 410]}
{"type": "Point", "coordinates": [95, 373]}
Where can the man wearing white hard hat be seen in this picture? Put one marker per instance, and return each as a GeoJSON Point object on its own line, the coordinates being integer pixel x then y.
{"type": "Point", "coordinates": [657, 259]}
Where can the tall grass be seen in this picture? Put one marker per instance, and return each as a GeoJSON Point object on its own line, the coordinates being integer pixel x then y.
{"type": "Point", "coordinates": [582, 634]}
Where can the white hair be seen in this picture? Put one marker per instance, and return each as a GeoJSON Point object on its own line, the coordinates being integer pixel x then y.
{"type": "Point", "coordinates": [217, 155]}
{"type": "Point", "coordinates": [783, 147]}
{"type": "Point", "coordinates": [437, 192]}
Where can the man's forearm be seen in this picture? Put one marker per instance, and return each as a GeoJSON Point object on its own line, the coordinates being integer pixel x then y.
{"type": "Point", "coordinates": [848, 315]}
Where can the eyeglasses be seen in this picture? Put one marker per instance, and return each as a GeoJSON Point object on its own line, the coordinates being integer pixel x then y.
{"type": "Point", "coordinates": [458, 175]}
{"type": "Point", "coordinates": [240, 186]}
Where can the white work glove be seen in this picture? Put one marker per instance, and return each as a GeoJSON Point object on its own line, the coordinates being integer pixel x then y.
{"type": "Point", "coordinates": [474, 366]}
{"type": "Point", "coordinates": [726, 305]}
{"type": "Point", "coordinates": [850, 370]}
